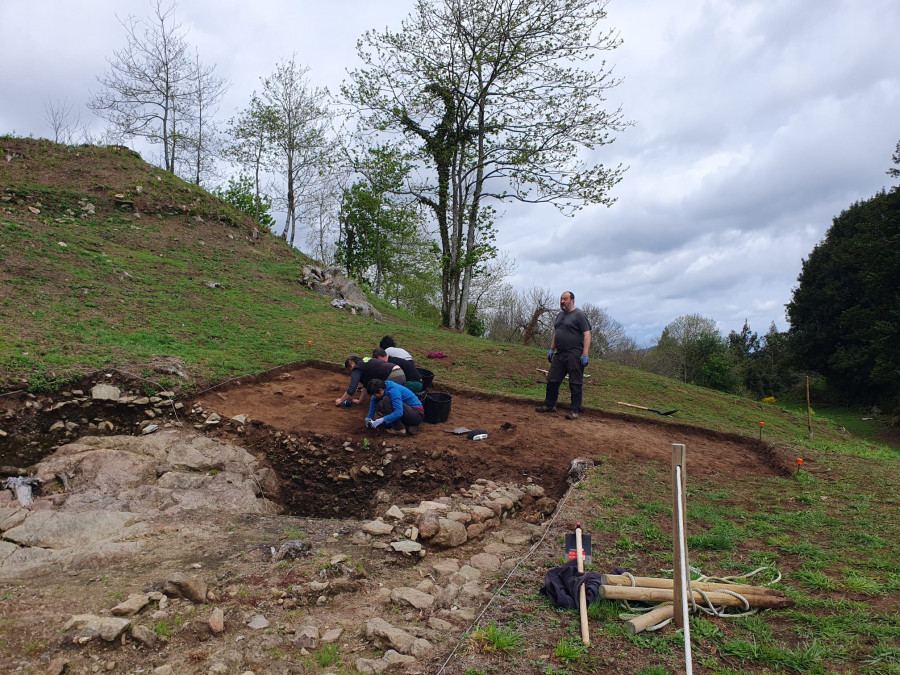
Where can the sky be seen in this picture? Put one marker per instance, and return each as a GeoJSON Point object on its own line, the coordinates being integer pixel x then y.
{"type": "Point", "coordinates": [754, 124]}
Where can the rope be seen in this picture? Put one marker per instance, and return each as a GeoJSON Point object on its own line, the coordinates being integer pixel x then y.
{"type": "Point", "coordinates": [511, 573]}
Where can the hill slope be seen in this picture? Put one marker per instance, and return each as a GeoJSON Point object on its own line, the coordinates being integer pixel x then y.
{"type": "Point", "coordinates": [109, 262]}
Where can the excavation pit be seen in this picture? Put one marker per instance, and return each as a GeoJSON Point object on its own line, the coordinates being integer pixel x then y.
{"type": "Point", "coordinates": [330, 465]}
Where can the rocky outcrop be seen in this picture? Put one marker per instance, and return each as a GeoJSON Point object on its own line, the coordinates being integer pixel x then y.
{"type": "Point", "coordinates": [331, 282]}
{"type": "Point", "coordinates": [117, 488]}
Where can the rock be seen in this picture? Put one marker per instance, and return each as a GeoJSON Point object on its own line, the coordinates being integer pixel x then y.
{"type": "Point", "coordinates": [485, 561]}
{"type": "Point", "coordinates": [258, 622]}
{"type": "Point", "coordinates": [411, 596]}
{"type": "Point", "coordinates": [546, 506]}
{"type": "Point", "coordinates": [451, 534]}
{"type": "Point", "coordinates": [134, 604]}
{"type": "Point", "coordinates": [371, 665]}
{"type": "Point", "coordinates": [535, 491]}
{"type": "Point", "coordinates": [440, 624]}
{"type": "Point", "coordinates": [384, 634]}
{"type": "Point", "coordinates": [377, 527]}
{"type": "Point", "coordinates": [306, 637]}
{"type": "Point", "coordinates": [145, 636]}
{"type": "Point", "coordinates": [472, 594]}
{"type": "Point", "coordinates": [112, 627]}
{"type": "Point", "coordinates": [406, 547]}
{"type": "Point", "coordinates": [394, 658]}
{"type": "Point", "coordinates": [445, 568]}
{"type": "Point", "coordinates": [180, 586]}
{"type": "Point", "coordinates": [394, 512]}
{"type": "Point", "coordinates": [428, 524]}
{"type": "Point", "coordinates": [332, 635]}
{"type": "Point", "coordinates": [217, 621]}
{"type": "Point", "coordinates": [57, 666]}
{"type": "Point", "coordinates": [105, 392]}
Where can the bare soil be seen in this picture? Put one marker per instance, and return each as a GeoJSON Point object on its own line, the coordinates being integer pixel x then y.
{"type": "Point", "coordinates": [522, 445]}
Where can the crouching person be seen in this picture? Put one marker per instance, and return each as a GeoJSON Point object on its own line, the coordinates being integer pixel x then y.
{"type": "Point", "coordinates": [400, 408]}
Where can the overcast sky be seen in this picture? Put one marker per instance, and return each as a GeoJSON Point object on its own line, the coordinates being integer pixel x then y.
{"type": "Point", "coordinates": [755, 124]}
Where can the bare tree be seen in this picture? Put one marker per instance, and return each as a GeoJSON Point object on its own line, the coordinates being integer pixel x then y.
{"type": "Point", "coordinates": [250, 143]}
{"type": "Point", "coordinates": [525, 317]}
{"type": "Point", "coordinates": [201, 137]}
{"type": "Point", "coordinates": [63, 120]}
{"type": "Point", "coordinates": [300, 120]}
{"type": "Point", "coordinates": [150, 89]}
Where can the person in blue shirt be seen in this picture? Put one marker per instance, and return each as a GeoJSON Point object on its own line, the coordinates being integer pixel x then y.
{"type": "Point", "coordinates": [402, 411]}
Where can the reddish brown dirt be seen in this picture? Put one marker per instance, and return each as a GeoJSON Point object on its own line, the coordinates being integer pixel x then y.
{"type": "Point", "coordinates": [521, 443]}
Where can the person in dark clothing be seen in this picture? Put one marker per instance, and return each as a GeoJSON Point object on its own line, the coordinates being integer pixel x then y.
{"type": "Point", "coordinates": [408, 366]}
{"type": "Point", "coordinates": [388, 345]}
{"type": "Point", "coordinates": [401, 410]}
{"type": "Point", "coordinates": [568, 355]}
{"type": "Point", "coordinates": [362, 371]}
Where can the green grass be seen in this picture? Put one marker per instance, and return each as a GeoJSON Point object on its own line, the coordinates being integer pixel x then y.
{"type": "Point", "coordinates": [494, 638]}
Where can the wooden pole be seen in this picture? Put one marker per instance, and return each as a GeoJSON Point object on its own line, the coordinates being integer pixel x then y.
{"type": "Point", "coordinates": [637, 594]}
{"type": "Point", "coordinates": [641, 623]}
{"type": "Point", "coordinates": [582, 594]}
{"type": "Point", "coordinates": [808, 411]}
{"type": "Point", "coordinates": [655, 582]}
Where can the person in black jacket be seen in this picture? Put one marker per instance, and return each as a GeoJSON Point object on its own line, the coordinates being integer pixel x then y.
{"type": "Point", "coordinates": [362, 371]}
{"type": "Point", "coordinates": [408, 366]}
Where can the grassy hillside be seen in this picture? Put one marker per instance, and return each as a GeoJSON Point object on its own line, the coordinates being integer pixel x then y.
{"type": "Point", "coordinates": [108, 261]}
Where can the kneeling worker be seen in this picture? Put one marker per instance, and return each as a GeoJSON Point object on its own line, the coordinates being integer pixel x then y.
{"type": "Point", "coordinates": [401, 408]}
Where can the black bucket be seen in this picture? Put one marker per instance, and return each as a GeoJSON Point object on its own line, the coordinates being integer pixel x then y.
{"type": "Point", "coordinates": [427, 378]}
{"type": "Point", "coordinates": [437, 407]}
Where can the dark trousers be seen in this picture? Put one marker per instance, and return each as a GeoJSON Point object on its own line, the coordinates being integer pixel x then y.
{"type": "Point", "coordinates": [565, 363]}
{"type": "Point", "coordinates": [412, 417]}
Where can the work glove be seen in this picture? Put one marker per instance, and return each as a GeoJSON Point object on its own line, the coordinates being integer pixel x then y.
{"type": "Point", "coordinates": [369, 422]}
{"type": "Point", "coordinates": [376, 423]}
{"type": "Point", "coordinates": [584, 361]}
{"type": "Point", "coordinates": [550, 356]}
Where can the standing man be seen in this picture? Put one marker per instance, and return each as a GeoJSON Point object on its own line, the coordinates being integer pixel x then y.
{"type": "Point", "coordinates": [568, 354]}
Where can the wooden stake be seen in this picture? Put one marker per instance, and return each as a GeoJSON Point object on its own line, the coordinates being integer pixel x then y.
{"type": "Point", "coordinates": [582, 594]}
{"type": "Point", "coordinates": [638, 594]}
{"type": "Point", "coordinates": [808, 411]}
{"type": "Point", "coordinates": [641, 623]}
{"type": "Point", "coordinates": [655, 582]}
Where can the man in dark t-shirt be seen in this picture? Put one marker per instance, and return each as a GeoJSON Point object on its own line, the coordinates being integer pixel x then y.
{"type": "Point", "coordinates": [568, 355]}
{"type": "Point", "coordinates": [361, 371]}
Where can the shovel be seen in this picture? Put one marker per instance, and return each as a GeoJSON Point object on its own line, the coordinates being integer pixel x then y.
{"type": "Point", "coordinates": [640, 407]}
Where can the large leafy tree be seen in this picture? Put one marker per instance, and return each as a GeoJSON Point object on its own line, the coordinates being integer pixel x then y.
{"type": "Point", "coordinates": [845, 310]}
{"type": "Point", "coordinates": [692, 350]}
{"type": "Point", "coordinates": [380, 240]}
{"type": "Point", "coordinates": [250, 145]}
{"type": "Point", "coordinates": [497, 101]}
